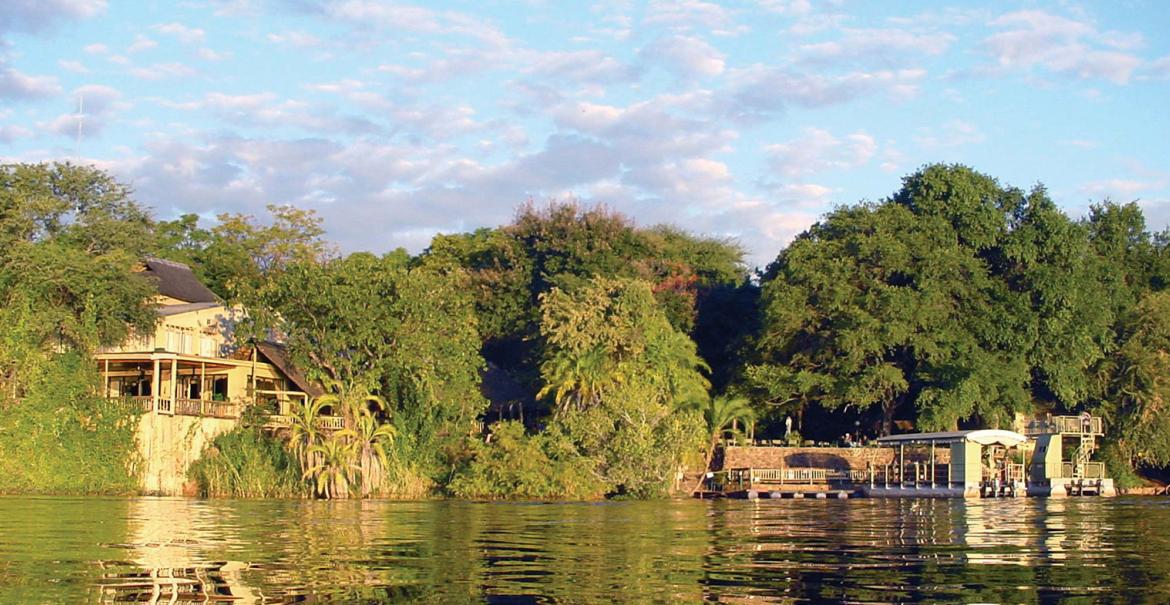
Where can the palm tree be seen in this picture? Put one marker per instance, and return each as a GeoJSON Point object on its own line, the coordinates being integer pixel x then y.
{"type": "Point", "coordinates": [722, 415]}
{"type": "Point", "coordinates": [363, 434]}
{"type": "Point", "coordinates": [576, 381]}
{"type": "Point", "coordinates": [370, 438]}
{"type": "Point", "coordinates": [333, 466]}
{"type": "Point", "coordinates": [303, 431]}
{"type": "Point", "coordinates": [351, 400]}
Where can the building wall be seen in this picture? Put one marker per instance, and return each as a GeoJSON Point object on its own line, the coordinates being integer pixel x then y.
{"type": "Point", "coordinates": [169, 444]}
{"type": "Point", "coordinates": [204, 332]}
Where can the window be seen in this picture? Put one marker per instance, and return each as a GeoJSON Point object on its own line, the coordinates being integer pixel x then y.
{"type": "Point", "coordinates": [207, 347]}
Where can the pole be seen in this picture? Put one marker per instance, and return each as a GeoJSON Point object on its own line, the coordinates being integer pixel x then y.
{"type": "Point", "coordinates": [902, 464]}
{"type": "Point", "coordinates": [932, 467]}
{"type": "Point", "coordinates": [155, 385]}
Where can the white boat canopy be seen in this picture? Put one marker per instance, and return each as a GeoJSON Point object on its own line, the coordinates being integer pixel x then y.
{"type": "Point", "coordinates": [980, 436]}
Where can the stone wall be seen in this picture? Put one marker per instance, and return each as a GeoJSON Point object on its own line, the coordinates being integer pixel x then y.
{"type": "Point", "coordinates": [169, 444]}
{"type": "Point", "coordinates": [837, 458]}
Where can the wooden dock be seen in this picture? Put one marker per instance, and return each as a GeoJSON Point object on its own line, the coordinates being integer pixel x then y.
{"type": "Point", "coordinates": [783, 483]}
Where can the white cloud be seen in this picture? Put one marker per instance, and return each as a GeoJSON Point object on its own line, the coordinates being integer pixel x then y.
{"type": "Point", "coordinates": [188, 35]}
{"type": "Point", "coordinates": [76, 67]}
{"type": "Point", "coordinates": [12, 132]}
{"type": "Point", "coordinates": [955, 133]}
{"type": "Point", "coordinates": [20, 86]}
{"type": "Point", "coordinates": [686, 15]}
{"type": "Point", "coordinates": [886, 47]}
{"type": "Point", "coordinates": [382, 16]}
{"type": "Point", "coordinates": [795, 8]}
{"type": "Point", "coordinates": [817, 151]}
{"type": "Point", "coordinates": [296, 39]}
{"type": "Point", "coordinates": [686, 56]}
{"type": "Point", "coordinates": [163, 71]}
{"type": "Point", "coordinates": [141, 43]}
{"type": "Point", "coordinates": [760, 90]}
{"type": "Point", "coordinates": [1121, 190]}
{"type": "Point", "coordinates": [1075, 48]}
{"type": "Point", "coordinates": [96, 49]}
{"type": "Point", "coordinates": [208, 54]}
{"type": "Point", "coordinates": [1158, 68]}
{"type": "Point", "coordinates": [585, 66]}
{"type": "Point", "coordinates": [39, 15]}
{"type": "Point", "coordinates": [98, 104]}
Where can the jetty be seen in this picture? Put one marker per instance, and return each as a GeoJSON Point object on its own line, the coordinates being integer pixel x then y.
{"type": "Point", "coordinates": [1053, 457]}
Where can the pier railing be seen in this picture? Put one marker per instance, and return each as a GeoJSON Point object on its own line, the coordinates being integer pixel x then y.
{"type": "Point", "coordinates": [749, 478]}
{"type": "Point", "coordinates": [1090, 425]}
{"type": "Point", "coordinates": [1092, 470]}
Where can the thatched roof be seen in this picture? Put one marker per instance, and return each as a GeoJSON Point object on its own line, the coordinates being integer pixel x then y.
{"type": "Point", "coordinates": [277, 355]}
{"type": "Point", "coordinates": [177, 281]}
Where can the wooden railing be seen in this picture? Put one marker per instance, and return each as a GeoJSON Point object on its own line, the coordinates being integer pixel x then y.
{"type": "Point", "coordinates": [1092, 470]}
{"type": "Point", "coordinates": [142, 403]}
{"type": "Point", "coordinates": [323, 423]}
{"type": "Point", "coordinates": [184, 406]}
{"type": "Point", "coordinates": [1092, 425]}
{"type": "Point", "coordinates": [331, 423]}
{"type": "Point", "coordinates": [747, 478]}
{"type": "Point", "coordinates": [188, 407]}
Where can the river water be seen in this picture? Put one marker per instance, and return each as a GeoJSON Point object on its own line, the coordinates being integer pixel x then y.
{"type": "Point", "coordinates": [67, 550]}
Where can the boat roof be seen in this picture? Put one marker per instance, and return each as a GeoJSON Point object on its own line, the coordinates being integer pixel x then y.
{"type": "Point", "coordinates": [980, 436]}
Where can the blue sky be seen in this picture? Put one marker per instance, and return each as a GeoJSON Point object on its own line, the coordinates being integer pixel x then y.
{"type": "Point", "coordinates": [746, 120]}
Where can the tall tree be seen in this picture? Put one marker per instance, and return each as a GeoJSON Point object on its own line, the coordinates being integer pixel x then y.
{"type": "Point", "coordinates": [375, 325]}
{"type": "Point", "coordinates": [619, 373]}
{"type": "Point", "coordinates": [69, 239]}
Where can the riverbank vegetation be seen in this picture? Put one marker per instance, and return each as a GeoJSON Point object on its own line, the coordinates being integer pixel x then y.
{"type": "Point", "coordinates": [574, 354]}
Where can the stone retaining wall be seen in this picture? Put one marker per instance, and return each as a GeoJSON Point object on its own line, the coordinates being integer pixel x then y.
{"type": "Point", "coordinates": [837, 458]}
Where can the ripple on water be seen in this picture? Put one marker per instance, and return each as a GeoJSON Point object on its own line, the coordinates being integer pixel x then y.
{"type": "Point", "coordinates": [789, 551]}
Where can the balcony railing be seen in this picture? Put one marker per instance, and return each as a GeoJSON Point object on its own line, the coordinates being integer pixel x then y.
{"type": "Point", "coordinates": [1075, 425]}
{"type": "Point", "coordinates": [323, 423]}
{"type": "Point", "coordinates": [214, 409]}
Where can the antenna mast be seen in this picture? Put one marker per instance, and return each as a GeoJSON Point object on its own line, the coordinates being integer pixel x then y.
{"type": "Point", "coordinates": [80, 121]}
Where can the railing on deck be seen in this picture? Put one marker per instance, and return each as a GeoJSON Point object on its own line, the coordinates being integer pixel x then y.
{"type": "Point", "coordinates": [747, 478]}
{"type": "Point", "coordinates": [184, 407]}
{"type": "Point", "coordinates": [142, 403]}
{"type": "Point", "coordinates": [1092, 470]}
{"type": "Point", "coordinates": [324, 423]}
{"type": "Point", "coordinates": [215, 409]}
{"type": "Point", "coordinates": [1091, 425]}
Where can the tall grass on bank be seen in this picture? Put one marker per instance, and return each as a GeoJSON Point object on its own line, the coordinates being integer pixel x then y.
{"type": "Point", "coordinates": [247, 463]}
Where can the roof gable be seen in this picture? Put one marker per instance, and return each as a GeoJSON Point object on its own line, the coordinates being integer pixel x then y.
{"type": "Point", "coordinates": [177, 281]}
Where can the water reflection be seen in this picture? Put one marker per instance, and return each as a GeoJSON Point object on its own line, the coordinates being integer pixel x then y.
{"type": "Point", "coordinates": [780, 551]}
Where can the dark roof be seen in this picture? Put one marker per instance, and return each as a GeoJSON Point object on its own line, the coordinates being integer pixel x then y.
{"type": "Point", "coordinates": [277, 355]}
{"type": "Point", "coordinates": [168, 310]}
{"type": "Point", "coordinates": [177, 281]}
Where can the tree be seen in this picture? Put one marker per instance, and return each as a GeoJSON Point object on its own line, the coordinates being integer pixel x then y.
{"type": "Point", "coordinates": [1135, 381]}
{"type": "Point", "coordinates": [620, 373]}
{"type": "Point", "coordinates": [369, 324]}
{"type": "Point", "coordinates": [334, 467]}
{"type": "Point", "coordinates": [69, 239]}
{"type": "Point", "coordinates": [722, 415]}
{"type": "Point", "coordinates": [236, 256]}
{"type": "Point", "coordinates": [958, 296]}
{"type": "Point", "coordinates": [304, 434]}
